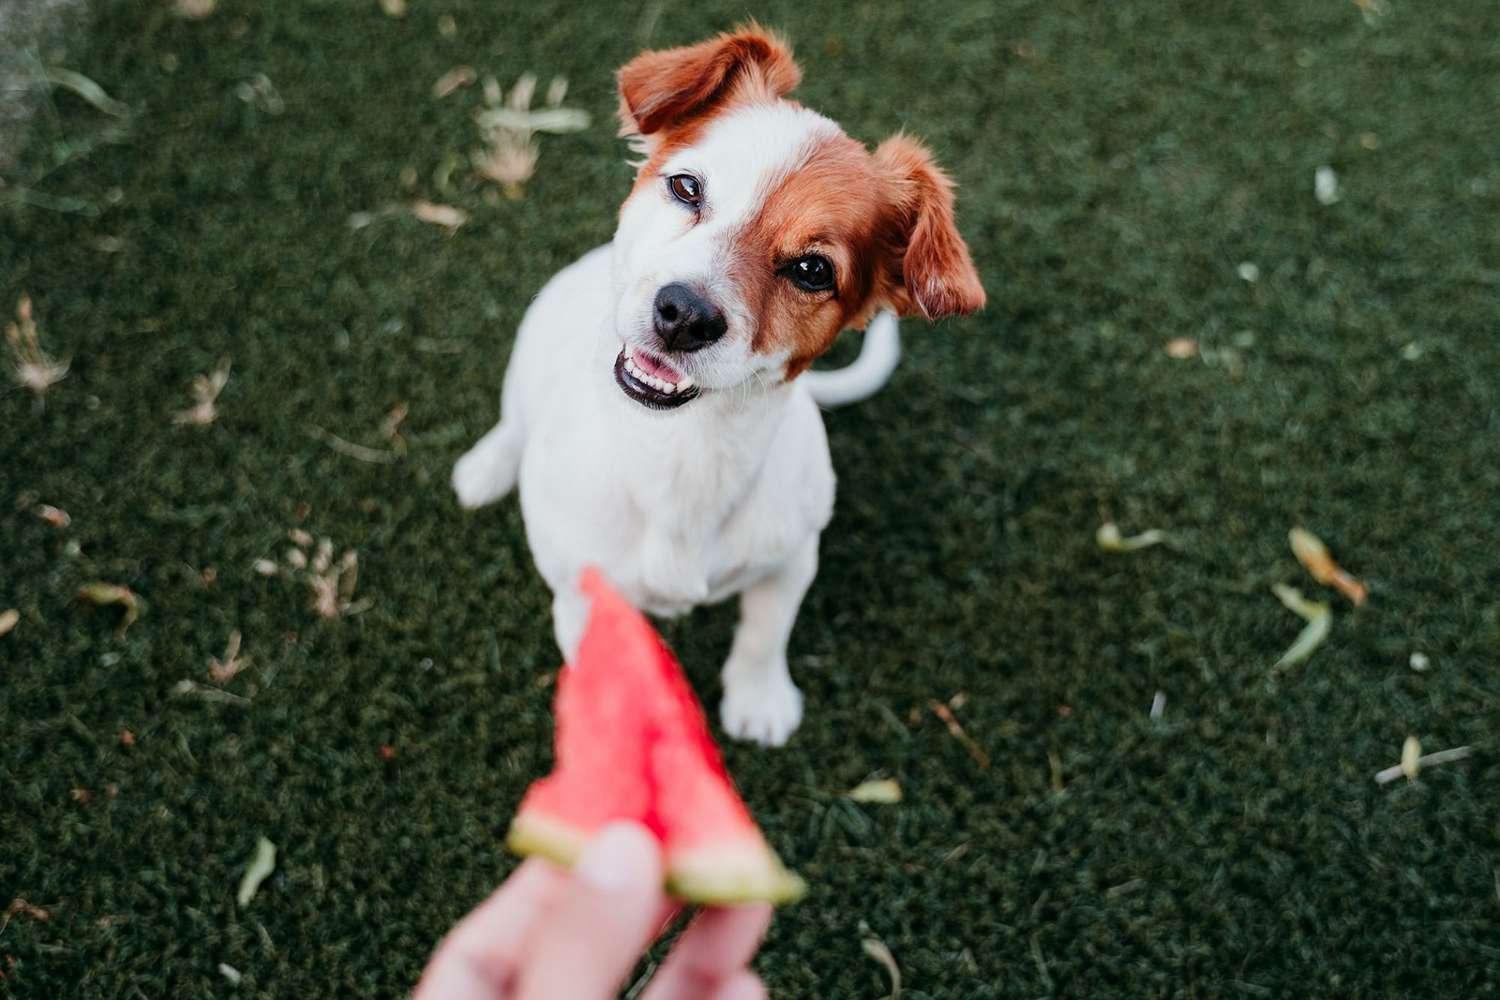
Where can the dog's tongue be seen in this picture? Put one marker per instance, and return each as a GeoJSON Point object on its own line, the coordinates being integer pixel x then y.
{"type": "Point", "coordinates": [655, 366]}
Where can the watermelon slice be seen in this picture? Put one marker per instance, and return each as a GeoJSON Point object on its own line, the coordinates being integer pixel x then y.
{"type": "Point", "coordinates": [632, 743]}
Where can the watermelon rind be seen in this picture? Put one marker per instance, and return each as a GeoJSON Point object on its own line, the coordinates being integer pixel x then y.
{"type": "Point", "coordinates": [710, 878]}
{"type": "Point", "coordinates": [532, 835]}
{"type": "Point", "coordinates": [744, 874]}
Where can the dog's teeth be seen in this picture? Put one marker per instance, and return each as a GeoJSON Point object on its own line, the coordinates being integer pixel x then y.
{"type": "Point", "coordinates": [670, 388]}
{"type": "Point", "coordinates": [686, 383]}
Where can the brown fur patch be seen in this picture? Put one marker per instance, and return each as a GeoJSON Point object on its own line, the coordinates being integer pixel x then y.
{"type": "Point", "coordinates": [830, 205]}
{"type": "Point", "coordinates": [931, 270]}
{"type": "Point", "coordinates": [669, 97]}
{"type": "Point", "coordinates": [671, 87]}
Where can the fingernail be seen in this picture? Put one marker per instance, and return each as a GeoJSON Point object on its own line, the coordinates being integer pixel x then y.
{"type": "Point", "coordinates": [622, 856]}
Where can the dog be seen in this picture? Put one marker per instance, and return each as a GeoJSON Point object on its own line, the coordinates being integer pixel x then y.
{"type": "Point", "coordinates": [658, 412]}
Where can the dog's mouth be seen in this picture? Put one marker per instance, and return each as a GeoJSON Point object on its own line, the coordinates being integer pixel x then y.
{"type": "Point", "coordinates": [651, 381]}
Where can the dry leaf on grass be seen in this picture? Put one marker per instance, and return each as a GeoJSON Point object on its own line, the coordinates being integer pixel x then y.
{"type": "Point", "coordinates": [510, 131]}
{"type": "Point", "coordinates": [458, 76]}
{"type": "Point", "coordinates": [333, 588]}
{"type": "Point", "coordinates": [55, 516]}
{"type": "Point", "coordinates": [112, 593]}
{"type": "Point", "coordinates": [8, 619]}
{"type": "Point", "coordinates": [261, 865]}
{"type": "Point", "coordinates": [882, 791]}
{"type": "Point", "coordinates": [439, 215]}
{"type": "Point", "coordinates": [224, 670]}
{"type": "Point", "coordinates": [205, 390]}
{"type": "Point", "coordinates": [1110, 540]}
{"type": "Point", "coordinates": [332, 581]}
{"type": "Point", "coordinates": [1319, 618]}
{"type": "Point", "coordinates": [19, 905]}
{"type": "Point", "coordinates": [1182, 348]}
{"type": "Point", "coordinates": [34, 368]}
{"type": "Point", "coordinates": [194, 10]}
{"type": "Point", "coordinates": [880, 952]}
{"type": "Point", "coordinates": [1313, 555]}
{"type": "Point", "coordinates": [259, 92]}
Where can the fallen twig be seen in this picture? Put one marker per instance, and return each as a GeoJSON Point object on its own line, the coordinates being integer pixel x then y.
{"type": "Point", "coordinates": [945, 713]}
{"type": "Point", "coordinates": [1409, 768]}
{"type": "Point", "coordinates": [86, 89]}
{"type": "Point", "coordinates": [356, 451]}
{"type": "Point", "coordinates": [186, 687]}
{"type": "Point", "coordinates": [1319, 620]}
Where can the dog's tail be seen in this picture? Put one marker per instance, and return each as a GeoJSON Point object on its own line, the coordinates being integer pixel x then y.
{"type": "Point", "coordinates": [878, 356]}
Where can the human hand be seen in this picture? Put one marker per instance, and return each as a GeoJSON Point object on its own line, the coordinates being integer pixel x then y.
{"type": "Point", "coordinates": [548, 934]}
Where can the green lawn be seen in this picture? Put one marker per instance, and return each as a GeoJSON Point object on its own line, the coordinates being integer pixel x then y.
{"type": "Point", "coordinates": [1118, 164]}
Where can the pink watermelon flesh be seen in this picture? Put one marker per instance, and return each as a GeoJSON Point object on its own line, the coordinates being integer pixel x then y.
{"type": "Point", "coordinates": [632, 743]}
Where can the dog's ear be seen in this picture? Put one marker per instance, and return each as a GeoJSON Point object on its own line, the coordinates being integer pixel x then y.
{"type": "Point", "coordinates": [930, 270]}
{"type": "Point", "coordinates": [660, 88]}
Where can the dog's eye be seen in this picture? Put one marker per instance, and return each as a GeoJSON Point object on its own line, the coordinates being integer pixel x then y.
{"type": "Point", "coordinates": [813, 272]}
{"type": "Point", "coordinates": [686, 189]}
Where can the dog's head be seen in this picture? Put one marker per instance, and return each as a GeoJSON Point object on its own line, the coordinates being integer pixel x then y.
{"type": "Point", "coordinates": [757, 230]}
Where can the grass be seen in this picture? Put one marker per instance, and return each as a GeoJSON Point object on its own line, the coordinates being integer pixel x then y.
{"type": "Point", "coordinates": [1117, 164]}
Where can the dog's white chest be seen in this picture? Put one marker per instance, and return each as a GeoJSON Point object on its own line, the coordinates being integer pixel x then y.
{"type": "Point", "coordinates": [674, 521]}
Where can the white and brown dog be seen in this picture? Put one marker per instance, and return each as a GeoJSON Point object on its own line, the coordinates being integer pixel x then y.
{"type": "Point", "coordinates": [653, 412]}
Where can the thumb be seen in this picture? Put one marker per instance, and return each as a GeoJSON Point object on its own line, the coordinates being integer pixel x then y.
{"type": "Point", "coordinates": [607, 915]}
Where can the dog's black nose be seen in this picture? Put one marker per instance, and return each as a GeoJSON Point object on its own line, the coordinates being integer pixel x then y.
{"type": "Point", "coordinates": [685, 320]}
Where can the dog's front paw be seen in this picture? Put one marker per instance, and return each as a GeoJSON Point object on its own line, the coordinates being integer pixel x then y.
{"type": "Point", "coordinates": [761, 705]}
{"type": "Point", "coordinates": [474, 480]}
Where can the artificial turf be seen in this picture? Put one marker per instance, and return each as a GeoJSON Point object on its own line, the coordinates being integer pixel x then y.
{"type": "Point", "coordinates": [1117, 164]}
